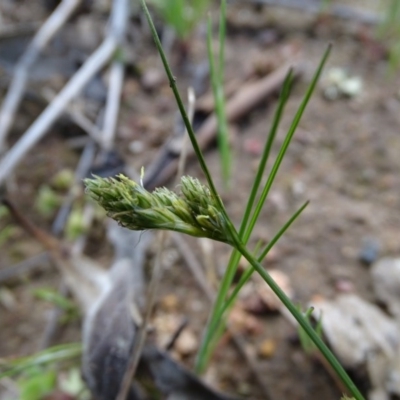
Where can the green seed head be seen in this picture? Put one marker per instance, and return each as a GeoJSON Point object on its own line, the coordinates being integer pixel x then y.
{"type": "Point", "coordinates": [194, 213]}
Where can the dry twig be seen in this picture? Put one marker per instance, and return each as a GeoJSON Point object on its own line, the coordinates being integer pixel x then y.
{"type": "Point", "coordinates": [16, 90]}
{"type": "Point", "coordinates": [113, 103]}
{"type": "Point", "coordinates": [92, 65]}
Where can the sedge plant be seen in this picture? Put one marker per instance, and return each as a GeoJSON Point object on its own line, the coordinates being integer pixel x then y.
{"type": "Point", "coordinates": [200, 212]}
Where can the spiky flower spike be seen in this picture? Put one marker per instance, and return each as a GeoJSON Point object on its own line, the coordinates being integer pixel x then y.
{"type": "Point", "coordinates": [194, 213]}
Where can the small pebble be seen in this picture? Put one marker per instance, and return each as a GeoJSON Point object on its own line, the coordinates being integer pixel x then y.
{"type": "Point", "coordinates": [136, 146]}
{"type": "Point", "coordinates": [186, 343]}
{"type": "Point", "coordinates": [253, 146]}
{"type": "Point", "coordinates": [169, 302]}
{"type": "Point", "coordinates": [152, 78]}
{"type": "Point", "coordinates": [7, 299]}
{"type": "Point", "coordinates": [369, 251]}
{"type": "Point", "coordinates": [267, 348]}
{"type": "Point", "coordinates": [344, 285]}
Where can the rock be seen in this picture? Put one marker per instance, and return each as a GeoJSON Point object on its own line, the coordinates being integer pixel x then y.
{"type": "Point", "coordinates": [338, 83]}
{"type": "Point", "coordinates": [152, 78]}
{"type": "Point", "coordinates": [344, 285]}
{"type": "Point", "coordinates": [369, 251]}
{"type": "Point", "coordinates": [186, 343]}
{"type": "Point", "coordinates": [359, 333]}
{"type": "Point", "coordinates": [267, 348]}
{"type": "Point", "coordinates": [136, 146]}
{"type": "Point", "coordinates": [386, 284]}
{"type": "Point", "coordinates": [351, 326]}
{"type": "Point", "coordinates": [7, 299]}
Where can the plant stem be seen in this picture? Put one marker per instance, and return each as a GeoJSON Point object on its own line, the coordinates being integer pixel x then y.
{"type": "Point", "coordinates": [301, 320]}
{"type": "Point", "coordinates": [186, 121]}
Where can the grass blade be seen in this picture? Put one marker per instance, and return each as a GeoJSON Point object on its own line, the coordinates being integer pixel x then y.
{"type": "Point", "coordinates": [249, 271]}
{"type": "Point", "coordinates": [302, 321]}
{"type": "Point", "coordinates": [48, 356]}
{"type": "Point", "coordinates": [217, 83]}
{"type": "Point", "coordinates": [186, 121]}
{"type": "Point", "coordinates": [227, 279]}
{"type": "Point", "coordinates": [285, 145]}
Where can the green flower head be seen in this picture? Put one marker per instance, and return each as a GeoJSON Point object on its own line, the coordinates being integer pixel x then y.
{"type": "Point", "coordinates": [195, 213]}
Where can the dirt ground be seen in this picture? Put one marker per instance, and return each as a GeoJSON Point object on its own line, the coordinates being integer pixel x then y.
{"type": "Point", "coordinates": [344, 158]}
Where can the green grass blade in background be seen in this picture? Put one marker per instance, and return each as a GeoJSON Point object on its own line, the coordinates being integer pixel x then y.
{"type": "Point", "coordinates": [285, 145]}
{"type": "Point", "coordinates": [181, 15]}
{"type": "Point", "coordinates": [182, 110]}
{"type": "Point", "coordinates": [51, 355]}
{"type": "Point", "coordinates": [217, 75]}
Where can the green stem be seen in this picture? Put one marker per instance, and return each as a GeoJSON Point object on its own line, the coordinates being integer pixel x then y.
{"type": "Point", "coordinates": [301, 320]}
{"type": "Point", "coordinates": [249, 271]}
{"type": "Point", "coordinates": [185, 117]}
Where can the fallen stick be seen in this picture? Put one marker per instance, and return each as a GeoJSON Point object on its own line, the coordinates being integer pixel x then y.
{"type": "Point", "coordinates": [92, 65]}
{"type": "Point", "coordinates": [16, 90]}
{"type": "Point", "coordinates": [78, 117]}
{"type": "Point", "coordinates": [113, 104]}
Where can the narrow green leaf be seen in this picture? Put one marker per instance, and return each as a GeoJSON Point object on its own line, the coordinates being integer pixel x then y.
{"type": "Point", "coordinates": [227, 279]}
{"type": "Point", "coordinates": [219, 100]}
{"type": "Point", "coordinates": [249, 271]}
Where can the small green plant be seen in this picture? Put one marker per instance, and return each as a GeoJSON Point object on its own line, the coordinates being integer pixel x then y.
{"type": "Point", "coordinates": [306, 343]}
{"type": "Point", "coordinates": [42, 373]}
{"type": "Point", "coordinates": [47, 201]}
{"type": "Point", "coordinates": [37, 384]}
{"type": "Point", "coordinates": [181, 15]}
{"type": "Point", "coordinates": [389, 31]}
{"type": "Point", "coordinates": [7, 231]}
{"type": "Point", "coordinates": [45, 358]}
{"type": "Point", "coordinates": [70, 309]}
{"type": "Point", "coordinates": [75, 225]}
